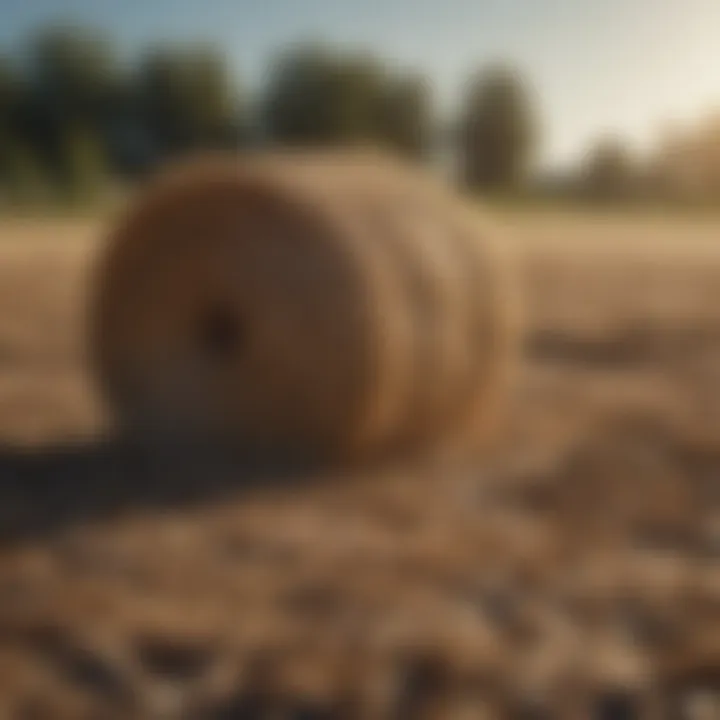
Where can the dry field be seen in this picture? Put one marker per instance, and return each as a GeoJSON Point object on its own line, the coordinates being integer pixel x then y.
{"type": "Point", "coordinates": [573, 574]}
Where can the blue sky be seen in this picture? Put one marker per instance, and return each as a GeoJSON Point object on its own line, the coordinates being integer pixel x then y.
{"type": "Point", "coordinates": [596, 65]}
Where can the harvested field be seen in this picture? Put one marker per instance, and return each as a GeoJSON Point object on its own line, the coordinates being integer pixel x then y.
{"type": "Point", "coordinates": [573, 574]}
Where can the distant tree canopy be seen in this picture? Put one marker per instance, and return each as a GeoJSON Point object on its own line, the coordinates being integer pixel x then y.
{"type": "Point", "coordinates": [497, 130]}
{"type": "Point", "coordinates": [19, 171]}
{"type": "Point", "coordinates": [71, 81]}
{"type": "Point", "coordinates": [318, 96]}
{"type": "Point", "coordinates": [9, 89]}
{"type": "Point", "coordinates": [686, 161]}
{"type": "Point", "coordinates": [609, 171]}
{"type": "Point", "coordinates": [74, 72]}
{"type": "Point", "coordinates": [407, 120]}
{"type": "Point", "coordinates": [187, 100]}
{"type": "Point", "coordinates": [74, 114]}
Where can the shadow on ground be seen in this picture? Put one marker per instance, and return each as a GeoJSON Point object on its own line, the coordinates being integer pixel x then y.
{"type": "Point", "coordinates": [56, 487]}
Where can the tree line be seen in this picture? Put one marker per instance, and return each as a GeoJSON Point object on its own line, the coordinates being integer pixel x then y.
{"type": "Point", "coordinates": [77, 119]}
{"type": "Point", "coordinates": [74, 117]}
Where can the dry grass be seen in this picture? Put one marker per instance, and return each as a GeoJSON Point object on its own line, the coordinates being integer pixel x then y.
{"type": "Point", "coordinates": [574, 574]}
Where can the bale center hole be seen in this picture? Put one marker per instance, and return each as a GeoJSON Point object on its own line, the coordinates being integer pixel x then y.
{"type": "Point", "coordinates": [221, 333]}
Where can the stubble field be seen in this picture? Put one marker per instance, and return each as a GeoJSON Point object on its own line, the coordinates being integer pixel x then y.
{"type": "Point", "coordinates": [574, 573]}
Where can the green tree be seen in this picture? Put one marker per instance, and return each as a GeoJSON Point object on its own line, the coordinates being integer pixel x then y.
{"type": "Point", "coordinates": [22, 179]}
{"type": "Point", "coordinates": [74, 81]}
{"type": "Point", "coordinates": [75, 71]}
{"type": "Point", "coordinates": [187, 100]}
{"type": "Point", "coordinates": [609, 171]}
{"type": "Point", "coordinates": [407, 121]}
{"type": "Point", "coordinates": [85, 164]}
{"type": "Point", "coordinates": [9, 91]}
{"type": "Point", "coordinates": [498, 130]}
{"type": "Point", "coordinates": [318, 96]}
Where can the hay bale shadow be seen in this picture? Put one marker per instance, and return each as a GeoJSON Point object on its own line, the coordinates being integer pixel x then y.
{"type": "Point", "coordinates": [46, 490]}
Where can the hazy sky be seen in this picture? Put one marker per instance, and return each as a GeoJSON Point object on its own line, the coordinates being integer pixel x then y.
{"type": "Point", "coordinates": [596, 65]}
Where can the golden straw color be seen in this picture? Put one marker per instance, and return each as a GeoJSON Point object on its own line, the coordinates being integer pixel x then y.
{"type": "Point", "coordinates": [335, 306]}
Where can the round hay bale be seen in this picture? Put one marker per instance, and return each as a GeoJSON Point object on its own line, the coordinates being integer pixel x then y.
{"type": "Point", "coordinates": [327, 306]}
{"type": "Point", "coordinates": [456, 279]}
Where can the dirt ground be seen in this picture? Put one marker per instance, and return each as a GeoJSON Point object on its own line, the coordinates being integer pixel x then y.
{"type": "Point", "coordinates": [575, 573]}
